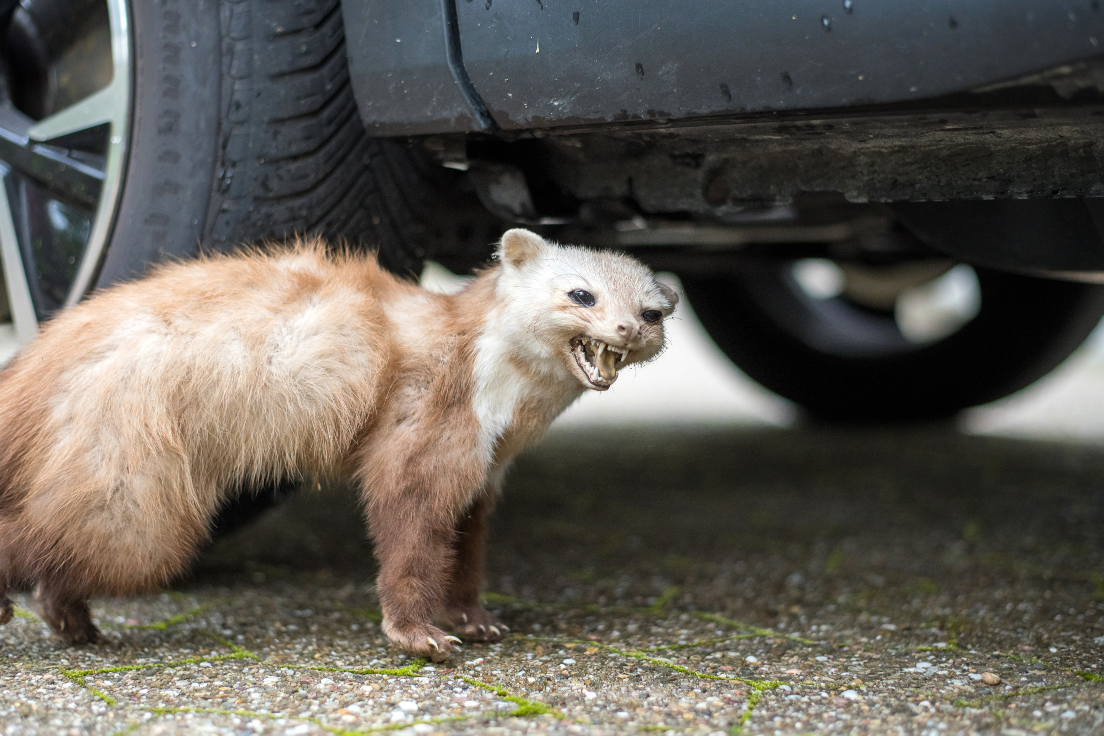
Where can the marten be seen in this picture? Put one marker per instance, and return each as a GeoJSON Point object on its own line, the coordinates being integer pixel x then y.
{"type": "Point", "coordinates": [131, 418]}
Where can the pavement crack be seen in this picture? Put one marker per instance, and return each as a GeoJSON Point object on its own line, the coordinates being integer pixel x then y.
{"type": "Point", "coordinates": [996, 697]}
{"type": "Point", "coordinates": [525, 708]}
{"type": "Point", "coordinates": [755, 630]}
{"type": "Point", "coordinates": [660, 606]}
{"type": "Point", "coordinates": [408, 671]}
{"type": "Point", "coordinates": [78, 676]}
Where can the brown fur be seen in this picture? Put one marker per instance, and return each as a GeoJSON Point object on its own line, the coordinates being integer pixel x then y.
{"type": "Point", "coordinates": [127, 421]}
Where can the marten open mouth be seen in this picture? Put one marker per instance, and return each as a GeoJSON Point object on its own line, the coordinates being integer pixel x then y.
{"type": "Point", "coordinates": [599, 360]}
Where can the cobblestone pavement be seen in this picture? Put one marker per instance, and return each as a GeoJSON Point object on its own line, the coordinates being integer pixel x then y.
{"type": "Point", "coordinates": [756, 581]}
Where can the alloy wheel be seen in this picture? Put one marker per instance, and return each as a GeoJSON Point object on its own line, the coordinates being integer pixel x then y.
{"type": "Point", "coordinates": [65, 110]}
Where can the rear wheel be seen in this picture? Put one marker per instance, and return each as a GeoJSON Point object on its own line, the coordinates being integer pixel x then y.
{"type": "Point", "coordinates": [857, 356]}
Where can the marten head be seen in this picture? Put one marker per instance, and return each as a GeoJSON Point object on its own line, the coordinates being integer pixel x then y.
{"type": "Point", "coordinates": [593, 312]}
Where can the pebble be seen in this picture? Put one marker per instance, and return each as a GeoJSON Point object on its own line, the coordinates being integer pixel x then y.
{"type": "Point", "coordinates": [850, 694]}
{"type": "Point", "coordinates": [990, 678]}
{"type": "Point", "coordinates": [750, 659]}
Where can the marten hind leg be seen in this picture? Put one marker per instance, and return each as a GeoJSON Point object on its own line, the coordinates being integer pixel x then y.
{"type": "Point", "coordinates": [461, 612]}
{"type": "Point", "coordinates": [66, 613]}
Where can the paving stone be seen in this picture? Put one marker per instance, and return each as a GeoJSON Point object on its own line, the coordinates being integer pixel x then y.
{"type": "Point", "coordinates": [756, 581]}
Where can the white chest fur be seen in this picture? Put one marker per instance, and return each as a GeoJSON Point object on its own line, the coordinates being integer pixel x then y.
{"type": "Point", "coordinates": [501, 386]}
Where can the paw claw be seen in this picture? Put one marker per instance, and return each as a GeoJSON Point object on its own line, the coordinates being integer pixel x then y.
{"type": "Point", "coordinates": [482, 629]}
{"type": "Point", "coordinates": [496, 631]}
{"type": "Point", "coordinates": [453, 639]}
{"type": "Point", "coordinates": [464, 617]}
{"type": "Point", "coordinates": [433, 643]}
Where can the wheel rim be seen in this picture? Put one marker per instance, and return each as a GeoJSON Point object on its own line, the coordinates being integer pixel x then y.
{"type": "Point", "coordinates": [906, 313]}
{"type": "Point", "coordinates": [65, 110]}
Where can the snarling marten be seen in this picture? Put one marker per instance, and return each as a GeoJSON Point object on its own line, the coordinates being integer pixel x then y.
{"type": "Point", "coordinates": [127, 422]}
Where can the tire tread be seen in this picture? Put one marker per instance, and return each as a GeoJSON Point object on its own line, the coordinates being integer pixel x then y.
{"type": "Point", "coordinates": [294, 156]}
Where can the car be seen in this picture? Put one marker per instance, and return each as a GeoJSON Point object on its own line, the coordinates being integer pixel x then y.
{"type": "Point", "coordinates": [882, 211]}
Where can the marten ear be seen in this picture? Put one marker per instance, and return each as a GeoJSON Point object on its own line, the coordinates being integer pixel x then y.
{"type": "Point", "coordinates": [670, 295]}
{"type": "Point", "coordinates": [519, 246]}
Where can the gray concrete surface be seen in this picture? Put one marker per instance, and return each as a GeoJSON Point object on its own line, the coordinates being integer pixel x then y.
{"type": "Point", "coordinates": [679, 556]}
{"type": "Point", "coordinates": [748, 580]}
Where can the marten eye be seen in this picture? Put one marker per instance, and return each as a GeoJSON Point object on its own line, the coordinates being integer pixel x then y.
{"type": "Point", "coordinates": [582, 298]}
{"type": "Point", "coordinates": [652, 315]}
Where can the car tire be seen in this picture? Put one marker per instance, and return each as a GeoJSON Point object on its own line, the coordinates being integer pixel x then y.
{"type": "Point", "coordinates": [795, 345]}
{"type": "Point", "coordinates": [245, 129]}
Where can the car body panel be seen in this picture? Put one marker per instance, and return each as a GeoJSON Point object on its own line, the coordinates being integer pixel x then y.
{"type": "Point", "coordinates": [549, 63]}
{"type": "Point", "coordinates": [399, 68]}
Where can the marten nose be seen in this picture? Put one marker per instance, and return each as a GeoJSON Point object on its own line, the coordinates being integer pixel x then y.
{"type": "Point", "coordinates": [625, 329]}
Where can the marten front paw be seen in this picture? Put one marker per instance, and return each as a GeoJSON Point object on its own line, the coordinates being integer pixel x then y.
{"type": "Point", "coordinates": [422, 639]}
{"type": "Point", "coordinates": [475, 624]}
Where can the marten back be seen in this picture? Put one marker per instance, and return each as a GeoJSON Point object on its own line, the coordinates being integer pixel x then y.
{"type": "Point", "coordinates": [129, 416]}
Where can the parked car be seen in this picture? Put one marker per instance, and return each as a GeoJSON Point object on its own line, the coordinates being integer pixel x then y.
{"type": "Point", "coordinates": [813, 170]}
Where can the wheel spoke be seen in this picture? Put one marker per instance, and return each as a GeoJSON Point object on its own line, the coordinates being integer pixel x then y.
{"type": "Point", "coordinates": [15, 275]}
{"type": "Point", "coordinates": [96, 109]}
{"type": "Point", "coordinates": [59, 173]}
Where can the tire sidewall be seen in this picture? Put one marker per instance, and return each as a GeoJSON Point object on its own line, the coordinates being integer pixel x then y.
{"type": "Point", "coordinates": [175, 89]}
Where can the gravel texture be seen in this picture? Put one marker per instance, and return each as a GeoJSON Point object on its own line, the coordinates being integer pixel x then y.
{"type": "Point", "coordinates": [756, 581]}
